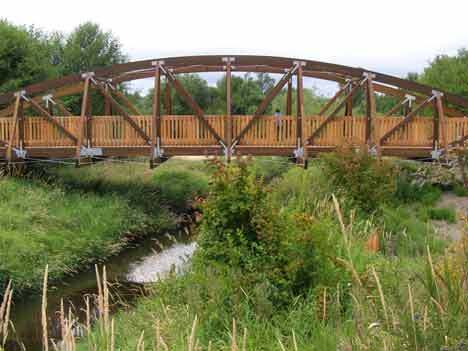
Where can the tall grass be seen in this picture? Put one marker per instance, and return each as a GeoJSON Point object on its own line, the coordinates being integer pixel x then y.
{"type": "Point", "coordinates": [70, 218]}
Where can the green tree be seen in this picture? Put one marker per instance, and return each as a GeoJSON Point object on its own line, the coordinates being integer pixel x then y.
{"type": "Point", "coordinates": [448, 73]}
{"type": "Point", "coordinates": [25, 56]}
{"type": "Point", "coordinates": [89, 47]}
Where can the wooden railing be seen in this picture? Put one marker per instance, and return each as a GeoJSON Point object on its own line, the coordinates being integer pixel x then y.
{"type": "Point", "coordinates": [114, 131]}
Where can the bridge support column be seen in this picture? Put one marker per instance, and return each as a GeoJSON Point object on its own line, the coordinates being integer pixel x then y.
{"type": "Point", "coordinates": [83, 126]}
{"type": "Point", "coordinates": [156, 151]}
{"type": "Point", "coordinates": [228, 148]}
{"type": "Point", "coordinates": [289, 99]}
{"type": "Point", "coordinates": [439, 126]}
{"type": "Point", "coordinates": [301, 150]}
{"type": "Point", "coordinates": [370, 110]}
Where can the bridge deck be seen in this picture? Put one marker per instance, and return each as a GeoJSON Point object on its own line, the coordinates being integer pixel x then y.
{"type": "Point", "coordinates": [186, 135]}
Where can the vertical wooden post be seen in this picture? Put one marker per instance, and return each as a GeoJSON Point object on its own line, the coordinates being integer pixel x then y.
{"type": "Point", "coordinates": [300, 114]}
{"type": "Point", "coordinates": [228, 118]}
{"type": "Point", "coordinates": [89, 121]}
{"type": "Point", "coordinates": [370, 109]}
{"type": "Point", "coordinates": [168, 98]}
{"type": "Point", "coordinates": [435, 127]}
{"type": "Point", "coordinates": [439, 115]}
{"type": "Point", "coordinates": [349, 102]}
{"type": "Point", "coordinates": [16, 111]}
{"type": "Point", "coordinates": [156, 121]}
{"type": "Point", "coordinates": [83, 119]}
{"type": "Point", "coordinates": [107, 103]}
{"type": "Point", "coordinates": [289, 98]}
{"type": "Point", "coordinates": [21, 124]}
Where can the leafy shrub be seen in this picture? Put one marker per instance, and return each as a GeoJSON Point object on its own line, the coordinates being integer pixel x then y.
{"type": "Point", "coordinates": [362, 179]}
{"type": "Point", "coordinates": [283, 254]}
{"type": "Point", "coordinates": [442, 214]}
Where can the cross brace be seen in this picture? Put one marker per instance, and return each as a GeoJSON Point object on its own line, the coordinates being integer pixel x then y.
{"type": "Point", "coordinates": [191, 102]}
{"type": "Point", "coordinates": [264, 104]}
{"type": "Point", "coordinates": [330, 118]}
{"type": "Point", "coordinates": [408, 118]}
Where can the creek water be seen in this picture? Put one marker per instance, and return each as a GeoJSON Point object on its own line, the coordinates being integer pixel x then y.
{"type": "Point", "coordinates": [127, 273]}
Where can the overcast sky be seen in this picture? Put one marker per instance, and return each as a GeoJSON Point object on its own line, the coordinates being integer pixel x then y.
{"type": "Point", "coordinates": [391, 36]}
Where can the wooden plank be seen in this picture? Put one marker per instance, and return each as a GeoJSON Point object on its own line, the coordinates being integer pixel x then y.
{"type": "Point", "coordinates": [300, 106]}
{"type": "Point", "coordinates": [266, 101]}
{"type": "Point", "coordinates": [408, 118]}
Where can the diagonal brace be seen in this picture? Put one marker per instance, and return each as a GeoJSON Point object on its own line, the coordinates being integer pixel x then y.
{"type": "Point", "coordinates": [266, 101]}
{"type": "Point", "coordinates": [133, 109]}
{"type": "Point", "coordinates": [122, 111]}
{"type": "Point", "coordinates": [52, 120]}
{"type": "Point", "coordinates": [191, 102]}
{"type": "Point", "coordinates": [332, 116]}
{"type": "Point", "coordinates": [408, 118]}
{"type": "Point", "coordinates": [333, 99]}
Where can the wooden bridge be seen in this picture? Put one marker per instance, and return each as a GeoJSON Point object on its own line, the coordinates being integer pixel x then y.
{"type": "Point", "coordinates": [51, 131]}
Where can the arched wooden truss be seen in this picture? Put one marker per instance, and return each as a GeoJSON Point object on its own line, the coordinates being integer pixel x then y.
{"type": "Point", "coordinates": [57, 133]}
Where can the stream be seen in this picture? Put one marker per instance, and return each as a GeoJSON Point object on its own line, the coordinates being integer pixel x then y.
{"type": "Point", "coordinates": [143, 262]}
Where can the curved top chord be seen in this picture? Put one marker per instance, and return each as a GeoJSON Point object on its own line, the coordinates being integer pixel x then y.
{"type": "Point", "coordinates": [241, 63]}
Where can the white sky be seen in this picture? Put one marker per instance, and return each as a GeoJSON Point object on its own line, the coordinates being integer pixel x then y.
{"type": "Point", "coordinates": [390, 36]}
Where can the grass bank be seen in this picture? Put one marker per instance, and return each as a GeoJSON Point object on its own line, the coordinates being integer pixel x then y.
{"type": "Point", "coordinates": [318, 259]}
{"type": "Point", "coordinates": [69, 218]}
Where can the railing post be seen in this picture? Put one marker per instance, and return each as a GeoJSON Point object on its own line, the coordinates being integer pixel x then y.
{"type": "Point", "coordinates": [156, 121]}
{"type": "Point", "coordinates": [228, 119]}
{"type": "Point", "coordinates": [301, 154]}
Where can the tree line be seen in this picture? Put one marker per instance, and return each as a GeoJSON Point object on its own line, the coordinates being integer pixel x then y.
{"type": "Point", "coordinates": [29, 55]}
